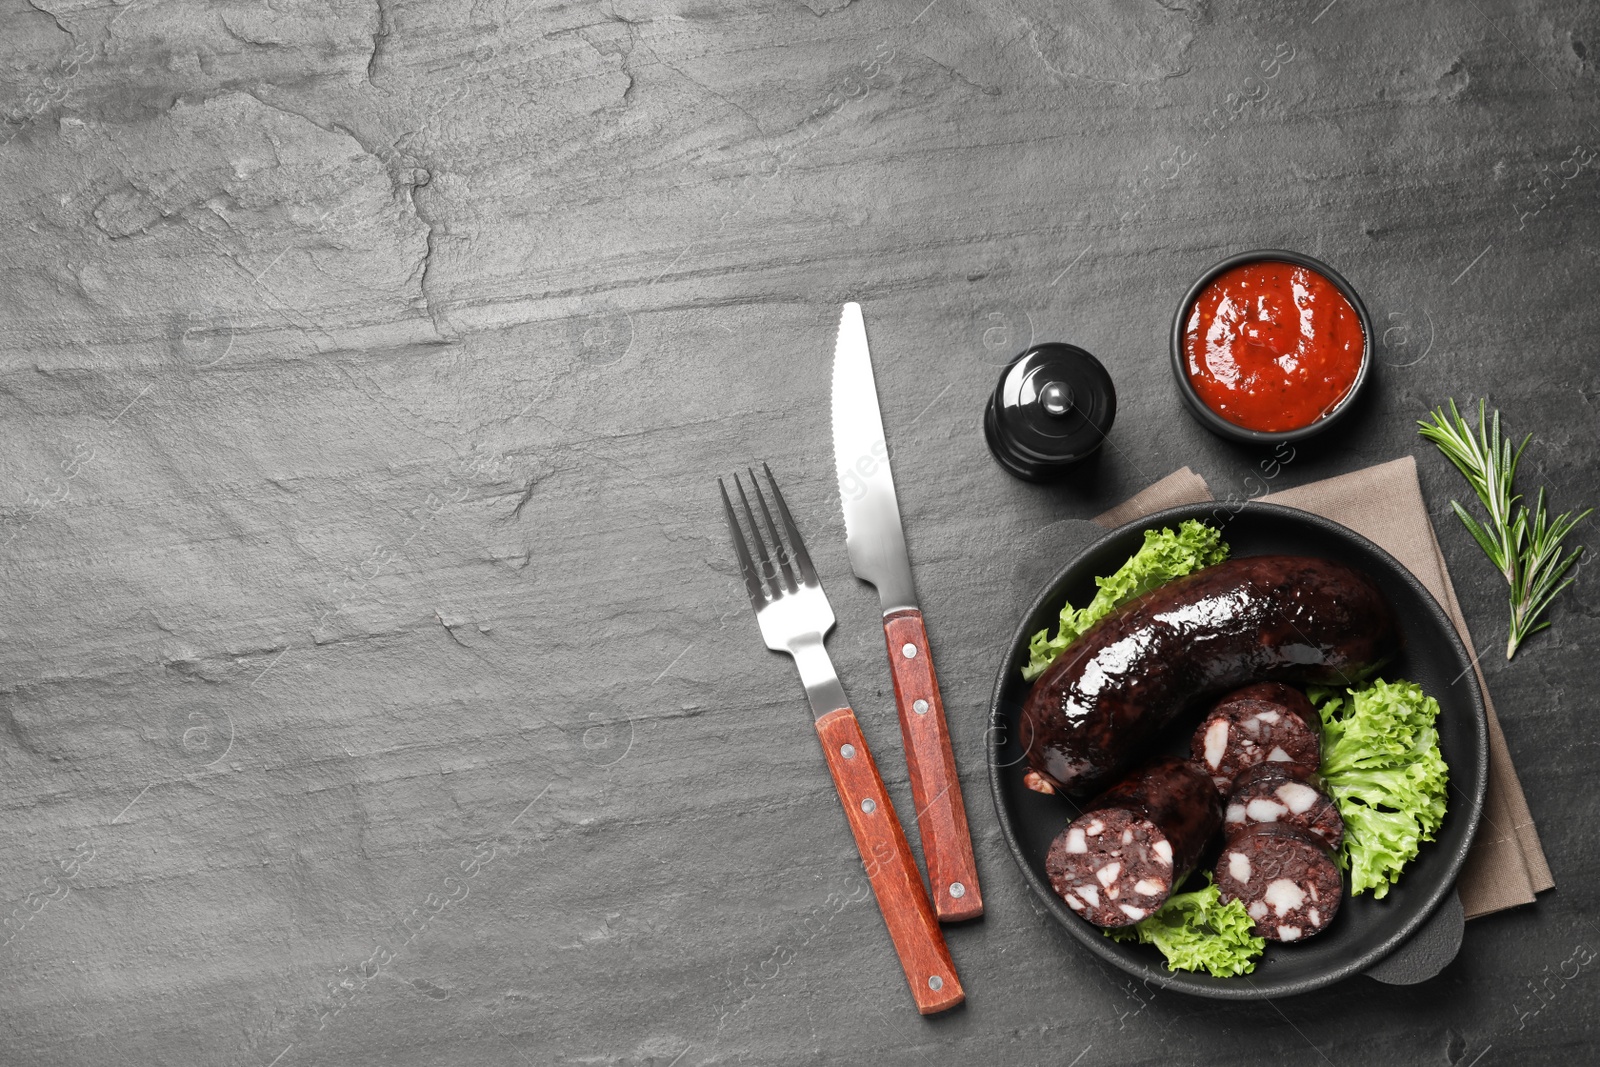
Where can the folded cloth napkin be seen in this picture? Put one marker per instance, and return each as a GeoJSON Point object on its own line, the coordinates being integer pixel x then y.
{"type": "Point", "coordinates": [1506, 866]}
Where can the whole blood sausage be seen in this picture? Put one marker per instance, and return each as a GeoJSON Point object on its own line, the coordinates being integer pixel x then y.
{"type": "Point", "coordinates": [1280, 618]}
{"type": "Point", "coordinates": [1265, 722]}
{"type": "Point", "coordinates": [1118, 861]}
{"type": "Point", "coordinates": [1278, 793]}
{"type": "Point", "coordinates": [1288, 882]}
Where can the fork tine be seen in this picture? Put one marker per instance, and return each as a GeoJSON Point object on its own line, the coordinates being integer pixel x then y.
{"type": "Point", "coordinates": [780, 550]}
{"type": "Point", "coordinates": [752, 584]}
{"type": "Point", "coordinates": [801, 556]}
{"type": "Point", "coordinates": [768, 571]}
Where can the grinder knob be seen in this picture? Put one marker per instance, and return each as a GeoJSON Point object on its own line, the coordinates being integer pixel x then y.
{"type": "Point", "coordinates": [1053, 407]}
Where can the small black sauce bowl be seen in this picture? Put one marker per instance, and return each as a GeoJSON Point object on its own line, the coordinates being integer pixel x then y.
{"type": "Point", "coordinates": [1221, 426]}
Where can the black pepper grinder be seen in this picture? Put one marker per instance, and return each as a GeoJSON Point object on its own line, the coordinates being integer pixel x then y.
{"type": "Point", "coordinates": [1053, 407]}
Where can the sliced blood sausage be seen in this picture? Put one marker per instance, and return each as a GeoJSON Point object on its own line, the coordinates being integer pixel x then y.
{"type": "Point", "coordinates": [1288, 882]}
{"type": "Point", "coordinates": [1261, 723]}
{"type": "Point", "coordinates": [1112, 867]}
{"type": "Point", "coordinates": [1279, 793]}
{"type": "Point", "coordinates": [1118, 861]}
{"type": "Point", "coordinates": [1278, 618]}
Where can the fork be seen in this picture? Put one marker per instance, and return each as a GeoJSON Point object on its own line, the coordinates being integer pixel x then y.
{"type": "Point", "coordinates": [794, 616]}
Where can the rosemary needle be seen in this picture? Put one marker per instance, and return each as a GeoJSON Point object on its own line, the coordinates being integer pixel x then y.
{"type": "Point", "coordinates": [1525, 546]}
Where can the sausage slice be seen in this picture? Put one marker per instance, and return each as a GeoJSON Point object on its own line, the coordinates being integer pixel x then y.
{"type": "Point", "coordinates": [1112, 867]}
{"type": "Point", "coordinates": [1279, 793]}
{"type": "Point", "coordinates": [1263, 723]}
{"type": "Point", "coordinates": [1288, 882]}
{"type": "Point", "coordinates": [1120, 860]}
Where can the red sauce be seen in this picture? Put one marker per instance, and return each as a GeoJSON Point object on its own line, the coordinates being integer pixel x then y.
{"type": "Point", "coordinates": [1272, 346]}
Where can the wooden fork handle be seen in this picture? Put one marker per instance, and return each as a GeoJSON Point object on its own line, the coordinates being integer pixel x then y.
{"type": "Point", "coordinates": [891, 870]}
{"type": "Point", "coordinates": [941, 813]}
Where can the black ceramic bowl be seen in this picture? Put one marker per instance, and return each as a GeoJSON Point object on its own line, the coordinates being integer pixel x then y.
{"type": "Point", "coordinates": [1366, 930]}
{"type": "Point", "coordinates": [1221, 426]}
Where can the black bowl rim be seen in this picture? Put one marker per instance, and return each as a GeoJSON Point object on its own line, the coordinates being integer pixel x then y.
{"type": "Point", "coordinates": [1090, 936]}
{"type": "Point", "coordinates": [1221, 426]}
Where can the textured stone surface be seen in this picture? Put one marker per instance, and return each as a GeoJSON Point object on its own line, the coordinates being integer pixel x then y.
{"type": "Point", "coordinates": [375, 679]}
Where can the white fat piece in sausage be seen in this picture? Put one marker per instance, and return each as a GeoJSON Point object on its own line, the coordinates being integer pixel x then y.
{"type": "Point", "coordinates": [1284, 895]}
{"type": "Point", "coordinates": [1216, 743]}
{"type": "Point", "coordinates": [1298, 796]}
{"type": "Point", "coordinates": [1265, 810]}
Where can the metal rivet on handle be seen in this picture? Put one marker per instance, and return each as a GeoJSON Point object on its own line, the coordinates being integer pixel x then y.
{"type": "Point", "coordinates": [920, 707]}
{"type": "Point", "coordinates": [957, 889]}
{"type": "Point", "coordinates": [935, 982]}
{"type": "Point", "coordinates": [908, 650]}
{"type": "Point", "coordinates": [847, 751]}
{"type": "Point", "coordinates": [869, 806]}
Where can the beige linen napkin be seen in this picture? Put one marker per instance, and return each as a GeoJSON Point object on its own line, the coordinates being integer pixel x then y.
{"type": "Point", "coordinates": [1506, 866]}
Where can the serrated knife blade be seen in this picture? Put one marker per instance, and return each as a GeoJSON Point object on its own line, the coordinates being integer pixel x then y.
{"type": "Point", "coordinates": [873, 534]}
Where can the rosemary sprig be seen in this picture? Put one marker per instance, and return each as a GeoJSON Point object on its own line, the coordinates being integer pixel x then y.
{"type": "Point", "coordinates": [1525, 546]}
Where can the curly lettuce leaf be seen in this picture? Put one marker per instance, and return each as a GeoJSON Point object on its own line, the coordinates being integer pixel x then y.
{"type": "Point", "coordinates": [1165, 555]}
{"type": "Point", "coordinates": [1197, 932]}
{"type": "Point", "coordinates": [1381, 761]}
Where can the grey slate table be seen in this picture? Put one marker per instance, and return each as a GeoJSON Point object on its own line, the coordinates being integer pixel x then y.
{"type": "Point", "coordinates": [377, 685]}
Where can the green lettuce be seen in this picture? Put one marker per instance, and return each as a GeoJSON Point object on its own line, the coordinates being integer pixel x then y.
{"type": "Point", "coordinates": [1197, 932]}
{"type": "Point", "coordinates": [1165, 555]}
{"type": "Point", "coordinates": [1380, 757]}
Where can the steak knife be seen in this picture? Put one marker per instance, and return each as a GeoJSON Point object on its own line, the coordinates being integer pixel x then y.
{"type": "Point", "coordinates": [877, 547]}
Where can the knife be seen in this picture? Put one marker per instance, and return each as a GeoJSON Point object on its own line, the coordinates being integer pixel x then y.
{"type": "Point", "coordinates": [877, 547]}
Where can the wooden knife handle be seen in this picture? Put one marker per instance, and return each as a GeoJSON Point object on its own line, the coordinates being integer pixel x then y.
{"type": "Point", "coordinates": [941, 813]}
{"type": "Point", "coordinates": [890, 867]}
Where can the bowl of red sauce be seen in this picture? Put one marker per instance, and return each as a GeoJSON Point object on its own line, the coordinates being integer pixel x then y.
{"type": "Point", "coordinates": [1271, 346]}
